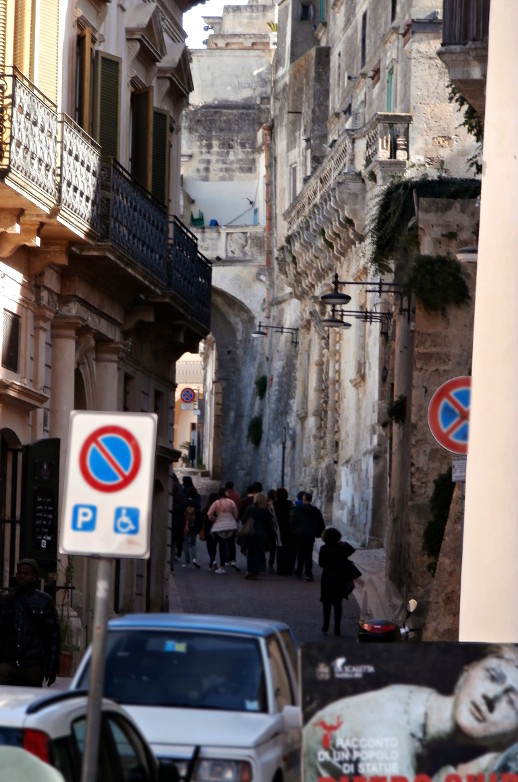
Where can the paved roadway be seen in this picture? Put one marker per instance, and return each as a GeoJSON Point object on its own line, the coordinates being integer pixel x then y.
{"type": "Point", "coordinates": [287, 598]}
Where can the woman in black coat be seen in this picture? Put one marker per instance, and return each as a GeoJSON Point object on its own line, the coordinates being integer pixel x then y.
{"type": "Point", "coordinates": [337, 575]}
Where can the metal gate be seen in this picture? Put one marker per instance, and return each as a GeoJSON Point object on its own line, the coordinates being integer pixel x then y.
{"type": "Point", "coordinates": [10, 503]}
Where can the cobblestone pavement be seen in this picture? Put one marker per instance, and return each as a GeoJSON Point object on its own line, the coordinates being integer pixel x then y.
{"type": "Point", "coordinates": [286, 598]}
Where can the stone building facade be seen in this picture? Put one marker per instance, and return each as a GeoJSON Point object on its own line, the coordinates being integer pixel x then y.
{"type": "Point", "coordinates": [102, 285]}
{"type": "Point", "coordinates": [359, 103]}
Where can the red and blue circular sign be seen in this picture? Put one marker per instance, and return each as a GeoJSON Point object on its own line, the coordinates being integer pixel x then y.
{"type": "Point", "coordinates": [188, 395]}
{"type": "Point", "coordinates": [110, 459]}
{"type": "Point", "coordinates": [448, 414]}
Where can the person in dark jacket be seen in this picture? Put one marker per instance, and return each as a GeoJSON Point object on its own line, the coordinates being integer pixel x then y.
{"type": "Point", "coordinates": [337, 575]}
{"type": "Point", "coordinates": [283, 507]}
{"type": "Point", "coordinates": [177, 524]}
{"type": "Point", "coordinates": [307, 524]}
{"type": "Point", "coordinates": [263, 535]}
{"type": "Point", "coordinates": [29, 632]}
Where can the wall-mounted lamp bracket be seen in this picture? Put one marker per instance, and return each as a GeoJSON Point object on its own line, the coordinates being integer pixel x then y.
{"type": "Point", "coordinates": [262, 331]}
{"type": "Point", "coordinates": [338, 297]}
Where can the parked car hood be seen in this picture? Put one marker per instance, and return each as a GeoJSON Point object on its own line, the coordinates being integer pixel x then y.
{"type": "Point", "coordinates": [187, 727]}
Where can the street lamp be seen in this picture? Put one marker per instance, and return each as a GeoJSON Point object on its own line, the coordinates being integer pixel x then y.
{"type": "Point", "coordinates": [339, 298]}
{"type": "Point", "coordinates": [262, 331]}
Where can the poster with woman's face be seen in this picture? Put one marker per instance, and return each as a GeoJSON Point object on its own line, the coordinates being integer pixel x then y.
{"type": "Point", "coordinates": [416, 712]}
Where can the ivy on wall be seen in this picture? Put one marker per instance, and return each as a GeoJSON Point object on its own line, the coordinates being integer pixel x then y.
{"type": "Point", "coordinates": [255, 430]}
{"type": "Point", "coordinates": [437, 281]}
{"type": "Point", "coordinates": [394, 227]}
{"type": "Point", "coordinates": [260, 386]}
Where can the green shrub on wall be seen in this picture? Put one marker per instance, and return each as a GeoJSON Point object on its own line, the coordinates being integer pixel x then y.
{"type": "Point", "coordinates": [437, 282]}
{"type": "Point", "coordinates": [261, 385]}
{"type": "Point", "coordinates": [255, 430]}
{"type": "Point", "coordinates": [397, 409]}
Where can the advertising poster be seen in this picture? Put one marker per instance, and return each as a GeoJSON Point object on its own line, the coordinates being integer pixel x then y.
{"type": "Point", "coordinates": [422, 712]}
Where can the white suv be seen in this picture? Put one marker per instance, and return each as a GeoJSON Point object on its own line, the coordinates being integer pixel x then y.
{"type": "Point", "coordinates": [217, 695]}
{"type": "Point", "coordinates": [52, 726]}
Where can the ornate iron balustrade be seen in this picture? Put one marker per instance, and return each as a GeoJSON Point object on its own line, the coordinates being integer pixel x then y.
{"type": "Point", "coordinates": [189, 273]}
{"type": "Point", "coordinates": [386, 138]}
{"type": "Point", "coordinates": [80, 174]}
{"type": "Point", "coordinates": [28, 135]}
{"type": "Point", "coordinates": [465, 21]}
{"type": "Point", "coordinates": [132, 219]}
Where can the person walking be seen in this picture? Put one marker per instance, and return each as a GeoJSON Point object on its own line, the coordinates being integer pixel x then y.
{"type": "Point", "coordinates": [307, 524]}
{"type": "Point", "coordinates": [206, 530]}
{"type": "Point", "coordinates": [177, 524]}
{"type": "Point", "coordinates": [276, 540]}
{"type": "Point", "coordinates": [338, 575]}
{"type": "Point", "coordinates": [223, 514]}
{"type": "Point", "coordinates": [29, 632]}
{"type": "Point", "coordinates": [261, 537]}
{"type": "Point", "coordinates": [283, 508]}
{"type": "Point", "coordinates": [190, 533]}
{"type": "Point", "coordinates": [232, 493]}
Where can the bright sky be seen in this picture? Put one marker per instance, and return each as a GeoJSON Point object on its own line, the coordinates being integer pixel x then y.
{"type": "Point", "coordinates": [193, 23]}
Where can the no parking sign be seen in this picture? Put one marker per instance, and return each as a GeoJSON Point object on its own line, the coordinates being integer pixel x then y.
{"type": "Point", "coordinates": [109, 484]}
{"type": "Point", "coordinates": [448, 414]}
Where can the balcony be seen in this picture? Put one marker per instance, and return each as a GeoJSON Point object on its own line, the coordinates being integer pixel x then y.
{"type": "Point", "coordinates": [464, 47]}
{"type": "Point", "coordinates": [132, 220]}
{"type": "Point", "coordinates": [189, 273]}
{"type": "Point", "coordinates": [328, 217]}
{"type": "Point", "coordinates": [46, 159]}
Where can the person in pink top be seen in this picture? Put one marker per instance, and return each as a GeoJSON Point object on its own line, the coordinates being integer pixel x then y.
{"type": "Point", "coordinates": [223, 514]}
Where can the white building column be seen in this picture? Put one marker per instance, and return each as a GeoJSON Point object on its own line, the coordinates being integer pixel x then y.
{"type": "Point", "coordinates": [63, 365]}
{"type": "Point", "coordinates": [107, 356]}
{"type": "Point", "coordinates": [490, 545]}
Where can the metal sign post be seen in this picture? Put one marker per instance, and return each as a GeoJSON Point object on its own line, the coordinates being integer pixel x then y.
{"type": "Point", "coordinates": [106, 513]}
{"type": "Point", "coordinates": [96, 685]}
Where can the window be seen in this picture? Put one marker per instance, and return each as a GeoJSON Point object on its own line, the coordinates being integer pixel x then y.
{"type": "Point", "coordinates": [84, 80]}
{"type": "Point", "coordinates": [364, 40]}
{"type": "Point", "coordinates": [281, 680]}
{"type": "Point", "coordinates": [322, 11]}
{"type": "Point", "coordinates": [293, 182]}
{"type": "Point", "coordinates": [393, 11]}
{"type": "Point", "coordinates": [106, 125]}
{"type": "Point", "coordinates": [306, 11]}
{"type": "Point", "coordinates": [127, 393]}
{"type": "Point", "coordinates": [35, 51]}
{"type": "Point", "coordinates": [390, 90]}
{"type": "Point", "coordinates": [160, 156]}
{"type": "Point", "coordinates": [10, 340]}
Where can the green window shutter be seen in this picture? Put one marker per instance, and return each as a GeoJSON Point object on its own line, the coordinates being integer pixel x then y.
{"type": "Point", "coordinates": [107, 103]}
{"type": "Point", "coordinates": [142, 135]}
{"type": "Point", "coordinates": [48, 48]}
{"type": "Point", "coordinates": [160, 165]}
{"type": "Point", "coordinates": [3, 19]}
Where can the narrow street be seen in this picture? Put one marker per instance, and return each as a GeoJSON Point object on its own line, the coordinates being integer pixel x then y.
{"type": "Point", "coordinates": [294, 601]}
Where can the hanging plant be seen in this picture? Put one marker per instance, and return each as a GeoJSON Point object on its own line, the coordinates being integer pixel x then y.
{"type": "Point", "coordinates": [393, 226]}
{"type": "Point", "coordinates": [397, 410]}
{"type": "Point", "coordinates": [260, 385]}
{"type": "Point", "coordinates": [437, 281]}
{"type": "Point", "coordinates": [255, 430]}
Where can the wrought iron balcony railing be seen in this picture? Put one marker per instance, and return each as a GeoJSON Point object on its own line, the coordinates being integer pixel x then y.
{"type": "Point", "coordinates": [28, 137]}
{"type": "Point", "coordinates": [132, 220]}
{"type": "Point", "coordinates": [80, 175]}
{"type": "Point", "coordinates": [465, 22]}
{"type": "Point", "coordinates": [189, 273]}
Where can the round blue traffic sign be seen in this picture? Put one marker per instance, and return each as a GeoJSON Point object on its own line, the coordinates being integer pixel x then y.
{"type": "Point", "coordinates": [187, 395]}
{"type": "Point", "coordinates": [110, 459]}
{"type": "Point", "coordinates": [448, 414]}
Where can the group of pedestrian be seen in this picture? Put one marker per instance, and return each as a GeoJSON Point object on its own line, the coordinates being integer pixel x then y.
{"type": "Point", "coordinates": [275, 534]}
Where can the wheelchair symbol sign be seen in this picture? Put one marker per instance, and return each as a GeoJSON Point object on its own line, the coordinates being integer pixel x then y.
{"type": "Point", "coordinates": [126, 521]}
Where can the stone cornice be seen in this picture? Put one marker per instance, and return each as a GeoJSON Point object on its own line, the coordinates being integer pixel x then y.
{"type": "Point", "coordinates": [21, 395]}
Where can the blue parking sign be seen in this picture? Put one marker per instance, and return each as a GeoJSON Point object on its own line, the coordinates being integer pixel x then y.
{"type": "Point", "coordinates": [84, 518]}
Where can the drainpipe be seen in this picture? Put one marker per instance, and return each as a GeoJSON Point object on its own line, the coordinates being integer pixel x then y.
{"type": "Point", "coordinates": [267, 137]}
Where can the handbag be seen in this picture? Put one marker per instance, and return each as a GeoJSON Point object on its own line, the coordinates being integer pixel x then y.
{"type": "Point", "coordinates": [247, 529]}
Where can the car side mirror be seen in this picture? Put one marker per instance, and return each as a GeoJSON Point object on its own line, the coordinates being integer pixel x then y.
{"type": "Point", "coordinates": [292, 717]}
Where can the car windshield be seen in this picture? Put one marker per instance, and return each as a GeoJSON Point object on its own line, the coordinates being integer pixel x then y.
{"type": "Point", "coordinates": [183, 669]}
